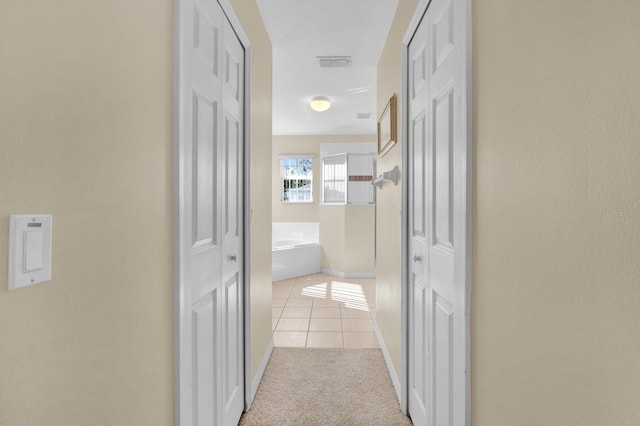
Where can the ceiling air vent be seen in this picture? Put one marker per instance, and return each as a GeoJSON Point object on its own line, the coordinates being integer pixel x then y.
{"type": "Point", "coordinates": [334, 61]}
{"type": "Point", "coordinates": [363, 115]}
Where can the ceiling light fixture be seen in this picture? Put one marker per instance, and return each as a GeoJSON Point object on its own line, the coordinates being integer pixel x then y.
{"type": "Point", "coordinates": [320, 103]}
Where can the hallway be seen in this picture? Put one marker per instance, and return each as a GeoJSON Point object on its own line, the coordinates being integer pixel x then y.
{"type": "Point", "coordinates": [320, 386]}
{"type": "Point", "coordinates": [90, 134]}
{"type": "Point", "coordinates": [326, 368]}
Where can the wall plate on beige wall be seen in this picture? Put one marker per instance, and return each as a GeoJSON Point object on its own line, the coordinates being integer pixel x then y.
{"type": "Point", "coordinates": [29, 250]}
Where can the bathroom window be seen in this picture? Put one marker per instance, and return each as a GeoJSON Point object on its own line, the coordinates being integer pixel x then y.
{"type": "Point", "coordinates": [334, 179]}
{"type": "Point", "coordinates": [346, 179]}
{"type": "Point", "coordinates": [296, 176]}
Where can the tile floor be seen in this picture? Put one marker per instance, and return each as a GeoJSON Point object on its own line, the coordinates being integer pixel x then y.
{"type": "Point", "coordinates": [323, 311]}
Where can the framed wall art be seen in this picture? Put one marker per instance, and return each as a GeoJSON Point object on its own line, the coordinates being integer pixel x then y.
{"type": "Point", "coordinates": [387, 135]}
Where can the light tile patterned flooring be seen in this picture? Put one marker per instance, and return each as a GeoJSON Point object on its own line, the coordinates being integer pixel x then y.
{"type": "Point", "coordinates": [323, 311]}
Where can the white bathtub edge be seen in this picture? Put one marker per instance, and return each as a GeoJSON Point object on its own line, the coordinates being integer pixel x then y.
{"type": "Point", "coordinates": [348, 274]}
{"type": "Point", "coordinates": [296, 262]}
{"type": "Point", "coordinates": [294, 246]}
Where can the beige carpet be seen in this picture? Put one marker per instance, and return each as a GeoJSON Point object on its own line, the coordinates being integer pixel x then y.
{"type": "Point", "coordinates": [325, 387]}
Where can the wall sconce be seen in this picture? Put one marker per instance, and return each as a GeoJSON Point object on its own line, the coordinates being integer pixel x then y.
{"type": "Point", "coordinates": [391, 175]}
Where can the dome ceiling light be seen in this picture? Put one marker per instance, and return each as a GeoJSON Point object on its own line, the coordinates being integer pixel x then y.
{"type": "Point", "coordinates": [320, 103]}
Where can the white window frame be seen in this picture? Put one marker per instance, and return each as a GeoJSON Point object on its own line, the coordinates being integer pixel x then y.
{"type": "Point", "coordinates": [297, 157]}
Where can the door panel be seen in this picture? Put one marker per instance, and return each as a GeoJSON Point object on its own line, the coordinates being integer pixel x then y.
{"type": "Point", "coordinates": [419, 225]}
{"type": "Point", "coordinates": [233, 373]}
{"type": "Point", "coordinates": [442, 37]}
{"type": "Point", "coordinates": [232, 196]}
{"type": "Point", "coordinates": [443, 360]}
{"type": "Point", "coordinates": [203, 259]}
{"type": "Point", "coordinates": [206, 38]}
{"type": "Point", "coordinates": [204, 179]}
{"type": "Point", "coordinates": [210, 169]}
{"type": "Point", "coordinates": [442, 170]}
{"type": "Point", "coordinates": [419, 331]}
{"type": "Point", "coordinates": [420, 342]}
{"type": "Point", "coordinates": [438, 193]}
{"type": "Point", "coordinates": [232, 134]}
{"type": "Point", "coordinates": [205, 359]}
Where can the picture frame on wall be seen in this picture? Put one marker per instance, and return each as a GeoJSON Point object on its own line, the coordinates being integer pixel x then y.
{"type": "Point", "coordinates": [387, 135]}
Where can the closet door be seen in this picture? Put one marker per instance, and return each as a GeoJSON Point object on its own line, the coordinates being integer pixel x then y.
{"type": "Point", "coordinates": [210, 159]}
{"type": "Point", "coordinates": [420, 378]}
{"type": "Point", "coordinates": [439, 213]}
{"type": "Point", "coordinates": [232, 136]}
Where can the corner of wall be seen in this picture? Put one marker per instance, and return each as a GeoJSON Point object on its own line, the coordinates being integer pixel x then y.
{"type": "Point", "coordinates": [389, 199]}
{"type": "Point", "coordinates": [260, 213]}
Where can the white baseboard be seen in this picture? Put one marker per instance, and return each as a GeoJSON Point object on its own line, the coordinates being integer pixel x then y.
{"type": "Point", "coordinates": [387, 360]}
{"type": "Point", "coordinates": [348, 274]}
{"type": "Point", "coordinates": [255, 383]}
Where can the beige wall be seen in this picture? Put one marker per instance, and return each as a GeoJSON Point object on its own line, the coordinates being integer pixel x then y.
{"type": "Point", "coordinates": [260, 171]}
{"type": "Point", "coordinates": [86, 135]}
{"type": "Point", "coordinates": [332, 237]}
{"type": "Point", "coordinates": [389, 198]}
{"type": "Point", "coordinates": [347, 235]}
{"type": "Point", "coordinates": [556, 276]}
{"type": "Point", "coordinates": [359, 240]}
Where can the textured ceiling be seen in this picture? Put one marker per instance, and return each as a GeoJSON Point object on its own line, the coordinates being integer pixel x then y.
{"type": "Point", "coordinates": [301, 30]}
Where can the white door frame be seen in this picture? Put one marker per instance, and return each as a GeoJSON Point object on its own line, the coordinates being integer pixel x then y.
{"type": "Point", "coordinates": [466, 273]}
{"type": "Point", "coordinates": [178, 157]}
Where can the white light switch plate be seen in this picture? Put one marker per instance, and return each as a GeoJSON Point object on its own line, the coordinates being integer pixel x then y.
{"type": "Point", "coordinates": [29, 250]}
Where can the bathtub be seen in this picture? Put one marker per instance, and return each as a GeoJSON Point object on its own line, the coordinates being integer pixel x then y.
{"type": "Point", "coordinates": [295, 250]}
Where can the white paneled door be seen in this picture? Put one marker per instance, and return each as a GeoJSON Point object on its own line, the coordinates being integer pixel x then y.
{"type": "Point", "coordinates": [438, 216]}
{"type": "Point", "coordinates": [210, 174]}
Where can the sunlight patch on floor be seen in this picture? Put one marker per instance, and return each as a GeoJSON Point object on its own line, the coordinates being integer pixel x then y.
{"type": "Point", "coordinates": [352, 295]}
{"type": "Point", "coordinates": [317, 290]}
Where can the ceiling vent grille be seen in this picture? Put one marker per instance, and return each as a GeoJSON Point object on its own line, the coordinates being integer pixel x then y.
{"type": "Point", "coordinates": [334, 61]}
{"type": "Point", "coordinates": [363, 115]}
